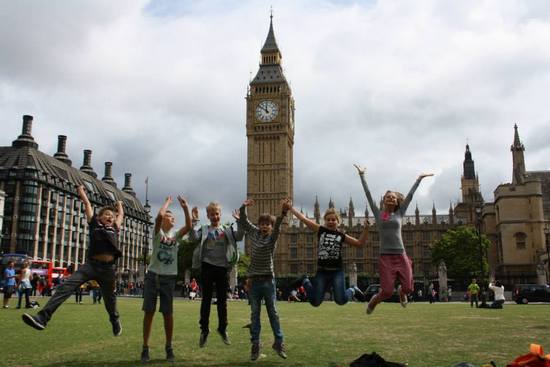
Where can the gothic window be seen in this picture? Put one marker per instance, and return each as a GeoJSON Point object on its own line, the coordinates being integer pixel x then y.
{"type": "Point", "coordinates": [360, 268]}
{"type": "Point", "coordinates": [359, 252]}
{"type": "Point", "coordinates": [293, 239]}
{"type": "Point", "coordinates": [294, 268]}
{"type": "Point", "coordinates": [521, 240]}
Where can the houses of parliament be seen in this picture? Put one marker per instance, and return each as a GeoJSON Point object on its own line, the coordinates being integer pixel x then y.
{"type": "Point", "coordinates": [514, 221]}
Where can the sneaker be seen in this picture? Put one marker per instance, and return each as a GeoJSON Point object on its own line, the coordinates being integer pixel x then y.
{"type": "Point", "coordinates": [170, 353]}
{"type": "Point", "coordinates": [117, 327]}
{"type": "Point", "coordinates": [280, 348]}
{"type": "Point", "coordinates": [370, 306]}
{"type": "Point", "coordinates": [358, 294]}
{"type": "Point", "coordinates": [255, 351]}
{"type": "Point", "coordinates": [34, 321]}
{"type": "Point", "coordinates": [6, 306]}
{"type": "Point", "coordinates": [402, 297]}
{"type": "Point", "coordinates": [145, 355]}
{"type": "Point", "coordinates": [225, 337]}
{"type": "Point", "coordinates": [203, 339]}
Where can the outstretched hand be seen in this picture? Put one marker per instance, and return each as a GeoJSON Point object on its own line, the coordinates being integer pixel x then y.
{"type": "Point", "coordinates": [182, 201]}
{"type": "Point", "coordinates": [195, 213]}
{"type": "Point", "coordinates": [422, 175]}
{"type": "Point", "coordinates": [286, 205]}
{"type": "Point", "coordinates": [236, 214]}
{"type": "Point", "coordinates": [168, 199]}
{"type": "Point", "coordinates": [360, 169]}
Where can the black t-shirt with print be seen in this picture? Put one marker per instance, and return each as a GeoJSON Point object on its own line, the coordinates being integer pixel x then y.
{"type": "Point", "coordinates": [329, 250]}
{"type": "Point", "coordinates": [103, 239]}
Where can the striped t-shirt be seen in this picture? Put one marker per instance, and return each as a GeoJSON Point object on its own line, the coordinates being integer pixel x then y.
{"type": "Point", "coordinates": [262, 247]}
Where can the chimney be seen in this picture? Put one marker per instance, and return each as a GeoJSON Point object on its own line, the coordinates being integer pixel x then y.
{"type": "Point", "coordinates": [108, 174]}
{"type": "Point", "coordinates": [128, 184]}
{"type": "Point", "coordinates": [87, 164]}
{"type": "Point", "coordinates": [61, 155]}
{"type": "Point", "coordinates": [25, 139]}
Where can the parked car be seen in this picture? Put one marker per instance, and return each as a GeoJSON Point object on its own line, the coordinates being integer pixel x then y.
{"type": "Point", "coordinates": [374, 288]}
{"type": "Point", "coordinates": [525, 293]}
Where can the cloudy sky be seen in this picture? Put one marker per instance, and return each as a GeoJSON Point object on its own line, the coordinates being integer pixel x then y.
{"type": "Point", "coordinates": [399, 86]}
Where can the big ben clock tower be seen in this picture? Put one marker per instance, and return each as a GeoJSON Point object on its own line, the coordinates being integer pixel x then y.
{"type": "Point", "coordinates": [270, 133]}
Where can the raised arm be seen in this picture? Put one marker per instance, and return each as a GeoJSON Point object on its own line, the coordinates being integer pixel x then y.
{"type": "Point", "coordinates": [119, 214]}
{"type": "Point", "coordinates": [242, 222]}
{"type": "Point", "coordinates": [88, 210]}
{"type": "Point", "coordinates": [162, 213]}
{"type": "Point", "coordinates": [375, 210]}
{"type": "Point", "coordinates": [194, 234]}
{"type": "Point", "coordinates": [302, 218]}
{"type": "Point", "coordinates": [188, 223]}
{"type": "Point", "coordinates": [285, 207]}
{"type": "Point", "coordinates": [352, 241]}
{"type": "Point", "coordinates": [403, 207]}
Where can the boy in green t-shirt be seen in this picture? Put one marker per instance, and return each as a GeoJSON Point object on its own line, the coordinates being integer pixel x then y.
{"type": "Point", "coordinates": [161, 275]}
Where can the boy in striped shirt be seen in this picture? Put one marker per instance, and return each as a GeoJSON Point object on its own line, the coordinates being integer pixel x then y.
{"type": "Point", "coordinates": [261, 278]}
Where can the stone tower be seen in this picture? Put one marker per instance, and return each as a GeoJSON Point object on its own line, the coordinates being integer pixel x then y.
{"type": "Point", "coordinates": [270, 133]}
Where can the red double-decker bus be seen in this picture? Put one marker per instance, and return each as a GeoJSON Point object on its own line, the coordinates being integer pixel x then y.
{"type": "Point", "coordinates": [44, 269]}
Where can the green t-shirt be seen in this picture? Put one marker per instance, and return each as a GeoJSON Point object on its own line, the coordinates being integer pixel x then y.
{"type": "Point", "coordinates": [164, 259]}
{"type": "Point", "coordinates": [473, 288]}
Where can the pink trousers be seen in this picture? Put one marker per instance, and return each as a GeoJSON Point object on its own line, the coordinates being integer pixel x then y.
{"type": "Point", "coordinates": [391, 267]}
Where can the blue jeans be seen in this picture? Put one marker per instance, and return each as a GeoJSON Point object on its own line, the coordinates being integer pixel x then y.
{"type": "Point", "coordinates": [316, 288]}
{"type": "Point", "coordinates": [263, 289]}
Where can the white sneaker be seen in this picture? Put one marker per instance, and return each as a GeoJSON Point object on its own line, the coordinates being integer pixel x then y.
{"type": "Point", "coordinates": [402, 297]}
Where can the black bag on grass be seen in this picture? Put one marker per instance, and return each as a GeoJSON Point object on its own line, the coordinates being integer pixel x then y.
{"type": "Point", "coordinates": [374, 360]}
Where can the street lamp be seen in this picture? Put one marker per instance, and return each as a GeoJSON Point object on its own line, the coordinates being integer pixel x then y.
{"type": "Point", "coordinates": [546, 233]}
{"type": "Point", "coordinates": [478, 210]}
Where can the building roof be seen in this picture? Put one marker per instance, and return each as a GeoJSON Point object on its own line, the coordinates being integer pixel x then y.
{"type": "Point", "coordinates": [272, 73]}
{"type": "Point", "coordinates": [30, 163]}
{"type": "Point", "coordinates": [270, 44]}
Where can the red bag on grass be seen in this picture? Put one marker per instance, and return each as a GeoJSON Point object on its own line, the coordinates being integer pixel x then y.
{"type": "Point", "coordinates": [535, 358]}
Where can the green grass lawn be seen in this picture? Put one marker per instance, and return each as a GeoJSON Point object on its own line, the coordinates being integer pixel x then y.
{"type": "Point", "coordinates": [330, 335]}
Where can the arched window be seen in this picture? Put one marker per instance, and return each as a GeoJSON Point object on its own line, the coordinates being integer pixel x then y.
{"type": "Point", "coordinates": [521, 240]}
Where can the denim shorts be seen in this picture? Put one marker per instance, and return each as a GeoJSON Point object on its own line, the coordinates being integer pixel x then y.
{"type": "Point", "coordinates": [158, 285]}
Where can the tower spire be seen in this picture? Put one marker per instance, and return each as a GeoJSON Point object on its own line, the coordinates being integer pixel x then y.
{"type": "Point", "coordinates": [469, 168]}
{"type": "Point", "coordinates": [270, 44]}
{"type": "Point", "coordinates": [518, 160]}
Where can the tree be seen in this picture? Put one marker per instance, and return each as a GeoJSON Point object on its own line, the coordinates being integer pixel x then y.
{"type": "Point", "coordinates": [460, 249]}
{"type": "Point", "coordinates": [242, 265]}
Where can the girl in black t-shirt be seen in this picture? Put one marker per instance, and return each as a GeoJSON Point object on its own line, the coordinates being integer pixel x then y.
{"type": "Point", "coordinates": [329, 259]}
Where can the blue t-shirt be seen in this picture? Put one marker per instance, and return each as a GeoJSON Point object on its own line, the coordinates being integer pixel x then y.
{"type": "Point", "coordinates": [9, 276]}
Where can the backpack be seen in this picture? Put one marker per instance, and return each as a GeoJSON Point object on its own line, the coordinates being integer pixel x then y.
{"type": "Point", "coordinates": [535, 358]}
{"type": "Point", "coordinates": [374, 360]}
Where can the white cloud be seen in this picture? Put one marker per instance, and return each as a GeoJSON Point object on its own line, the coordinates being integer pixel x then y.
{"type": "Point", "coordinates": [398, 86]}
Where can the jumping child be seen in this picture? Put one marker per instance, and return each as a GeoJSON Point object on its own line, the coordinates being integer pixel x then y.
{"type": "Point", "coordinates": [329, 259]}
{"type": "Point", "coordinates": [103, 252]}
{"type": "Point", "coordinates": [161, 276]}
{"type": "Point", "coordinates": [261, 278]}
{"type": "Point", "coordinates": [393, 261]}
{"type": "Point", "coordinates": [215, 255]}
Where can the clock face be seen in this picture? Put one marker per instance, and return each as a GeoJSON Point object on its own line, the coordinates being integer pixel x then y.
{"type": "Point", "coordinates": [266, 111]}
